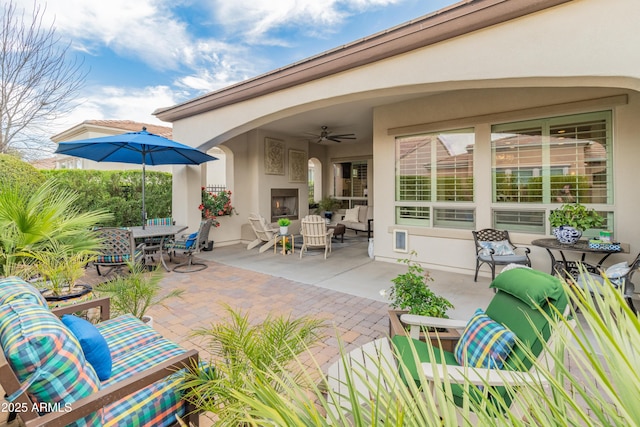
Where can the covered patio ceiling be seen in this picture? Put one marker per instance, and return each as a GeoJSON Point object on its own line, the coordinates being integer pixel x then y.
{"type": "Point", "coordinates": [342, 117]}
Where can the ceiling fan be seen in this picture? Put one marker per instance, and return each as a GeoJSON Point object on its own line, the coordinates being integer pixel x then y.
{"type": "Point", "coordinates": [327, 135]}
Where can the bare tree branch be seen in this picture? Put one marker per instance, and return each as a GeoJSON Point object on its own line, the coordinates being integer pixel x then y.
{"type": "Point", "coordinates": [38, 82]}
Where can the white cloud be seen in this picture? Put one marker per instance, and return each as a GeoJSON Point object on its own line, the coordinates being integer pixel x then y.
{"type": "Point", "coordinates": [113, 103]}
{"type": "Point", "coordinates": [142, 29]}
{"type": "Point", "coordinates": [256, 19]}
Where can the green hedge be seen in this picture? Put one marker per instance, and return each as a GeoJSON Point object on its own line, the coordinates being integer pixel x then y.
{"type": "Point", "coordinates": [14, 171]}
{"type": "Point", "coordinates": [120, 192]}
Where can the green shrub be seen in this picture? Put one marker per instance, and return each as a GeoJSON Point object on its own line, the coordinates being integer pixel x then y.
{"type": "Point", "coordinates": [119, 192]}
{"type": "Point", "coordinates": [15, 171]}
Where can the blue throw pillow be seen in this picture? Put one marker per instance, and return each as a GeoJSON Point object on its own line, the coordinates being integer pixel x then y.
{"type": "Point", "coordinates": [484, 343]}
{"type": "Point", "coordinates": [94, 346]}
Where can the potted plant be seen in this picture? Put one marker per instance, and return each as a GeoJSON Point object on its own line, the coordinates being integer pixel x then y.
{"type": "Point", "coordinates": [327, 206]}
{"type": "Point", "coordinates": [571, 219]}
{"type": "Point", "coordinates": [284, 224]}
{"type": "Point", "coordinates": [136, 292]}
{"type": "Point", "coordinates": [57, 270]}
{"type": "Point", "coordinates": [411, 294]}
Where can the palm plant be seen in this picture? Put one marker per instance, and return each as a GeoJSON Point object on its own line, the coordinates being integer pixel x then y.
{"type": "Point", "coordinates": [243, 351]}
{"type": "Point", "coordinates": [43, 221]}
{"type": "Point", "coordinates": [599, 388]}
{"type": "Point", "coordinates": [138, 291]}
{"type": "Point", "coordinates": [57, 268]}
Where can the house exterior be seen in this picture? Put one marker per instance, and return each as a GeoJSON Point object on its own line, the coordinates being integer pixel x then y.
{"type": "Point", "coordinates": [471, 117]}
{"type": "Point", "coordinates": [98, 128]}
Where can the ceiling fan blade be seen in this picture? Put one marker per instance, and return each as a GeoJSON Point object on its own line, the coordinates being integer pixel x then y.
{"type": "Point", "coordinates": [333, 138]}
{"type": "Point", "coordinates": [345, 136]}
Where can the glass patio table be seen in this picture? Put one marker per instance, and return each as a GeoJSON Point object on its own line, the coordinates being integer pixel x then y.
{"type": "Point", "coordinates": [157, 231]}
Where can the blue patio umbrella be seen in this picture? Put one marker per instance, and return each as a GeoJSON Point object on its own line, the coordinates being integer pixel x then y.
{"type": "Point", "coordinates": [135, 147]}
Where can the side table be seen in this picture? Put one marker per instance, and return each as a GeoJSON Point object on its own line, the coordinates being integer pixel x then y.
{"type": "Point", "coordinates": [283, 238]}
{"type": "Point", "coordinates": [338, 230]}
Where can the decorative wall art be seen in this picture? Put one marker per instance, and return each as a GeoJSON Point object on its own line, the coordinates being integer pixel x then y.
{"type": "Point", "coordinates": [273, 156]}
{"type": "Point", "coordinates": [298, 166]}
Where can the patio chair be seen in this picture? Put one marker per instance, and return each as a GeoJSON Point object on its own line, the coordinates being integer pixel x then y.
{"type": "Point", "coordinates": [512, 311]}
{"type": "Point", "coordinates": [315, 234]}
{"type": "Point", "coordinates": [187, 246]}
{"type": "Point", "coordinates": [117, 249]}
{"type": "Point", "coordinates": [494, 247]}
{"type": "Point", "coordinates": [265, 233]}
{"type": "Point", "coordinates": [160, 221]}
{"type": "Point", "coordinates": [619, 276]}
{"type": "Point", "coordinates": [152, 244]}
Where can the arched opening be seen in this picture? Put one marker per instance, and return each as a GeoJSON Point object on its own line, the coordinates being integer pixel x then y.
{"type": "Point", "coordinates": [219, 174]}
{"type": "Point", "coordinates": [315, 181]}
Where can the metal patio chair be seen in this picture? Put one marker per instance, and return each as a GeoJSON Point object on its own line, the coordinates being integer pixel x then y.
{"type": "Point", "coordinates": [117, 249]}
{"type": "Point", "coordinates": [494, 247]}
{"type": "Point", "coordinates": [189, 245]}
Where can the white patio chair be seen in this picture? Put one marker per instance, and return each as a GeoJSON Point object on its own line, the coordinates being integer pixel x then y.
{"type": "Point", "coordinates": [315, 234]}
{"type": "Point", "coordinates": [265, 233]}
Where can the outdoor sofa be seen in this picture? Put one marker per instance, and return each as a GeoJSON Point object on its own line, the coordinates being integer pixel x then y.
{"type": "Point", "coordinates": [359, 218]}
{"type": "Point", "coordinates": [49, 381]}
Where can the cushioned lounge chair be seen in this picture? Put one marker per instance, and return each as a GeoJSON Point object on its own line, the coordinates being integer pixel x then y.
{"type": "Point", "coordinates": [513, 307]}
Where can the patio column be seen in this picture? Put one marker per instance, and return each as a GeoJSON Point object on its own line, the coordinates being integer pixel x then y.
{"type": "Point", "coordinates": [186, 196]}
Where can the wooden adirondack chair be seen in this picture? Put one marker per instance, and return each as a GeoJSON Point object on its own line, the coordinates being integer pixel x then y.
{"type": "Point", "coordinates": [315, 234]}
{"type": "Point", "coordinates": [265, 233]}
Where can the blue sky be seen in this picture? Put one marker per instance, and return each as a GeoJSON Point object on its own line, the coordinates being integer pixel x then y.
{"type": "Point", "coordinates": [145, 54]}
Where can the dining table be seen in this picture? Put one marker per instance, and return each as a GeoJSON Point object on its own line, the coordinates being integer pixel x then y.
{"type": "Point", "coordinates": [161, 232]}
{"type": "Point", "coordinates": [563, 266]}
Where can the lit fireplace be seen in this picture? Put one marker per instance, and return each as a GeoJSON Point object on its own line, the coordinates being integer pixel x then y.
{"type": "Point", "coordinates": [284, 203]}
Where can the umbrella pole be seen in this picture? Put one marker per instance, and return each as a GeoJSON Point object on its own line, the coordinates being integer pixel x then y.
{"type": "Point", "coordinates": [144, 212]}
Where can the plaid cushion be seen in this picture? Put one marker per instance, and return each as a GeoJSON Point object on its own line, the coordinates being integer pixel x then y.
{"type": "Point", "coordinates": [16, 289]}
{"type": "Point", "coordinates": [154, 405]}
{"type": "Point", "coordinates": [125, 333]}
{"type": "Point", "coordinates": [46, 357]}
{"type": "Point", "coordinates": [484, 343]}
{"type": "Point", "coordinates": [188, 243]}
{"type": "Point", "coordinates": [160, 221]}
{"type": "Point", "coordinates": [117, 259]}
{"type": "Point", "coordinates": [113, 259]}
